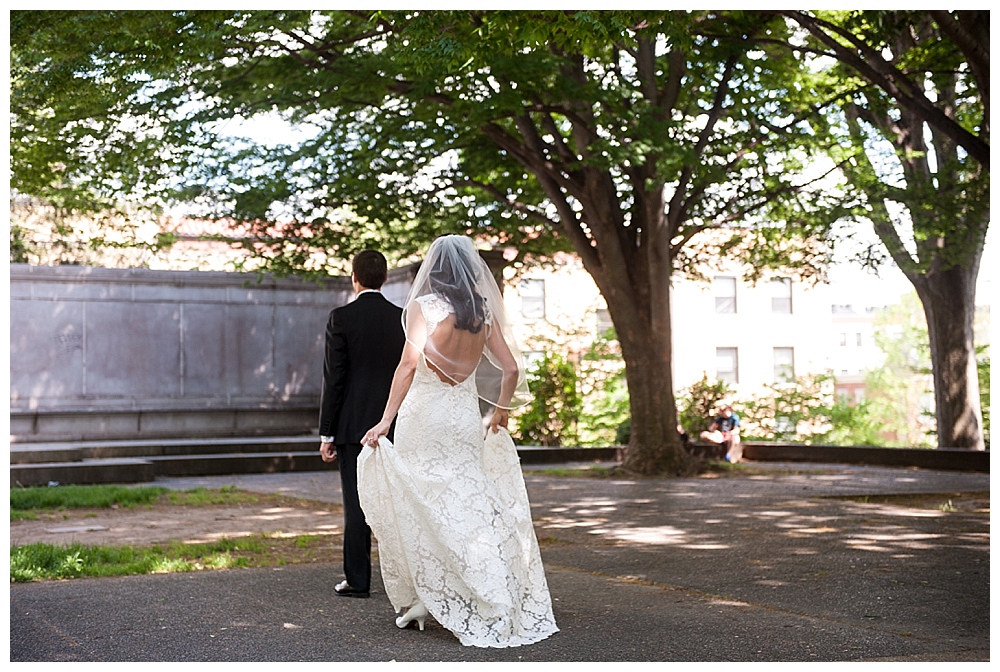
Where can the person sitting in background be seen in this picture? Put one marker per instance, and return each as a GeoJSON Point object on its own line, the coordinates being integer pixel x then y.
{"type": "Point", "coordinates": [724, 431]}
{"type": "Point", "coordinates": [685, 437]}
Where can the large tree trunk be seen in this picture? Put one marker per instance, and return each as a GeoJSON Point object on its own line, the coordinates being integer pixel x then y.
{"type": "Point", "coordinates": [655, 446]}
{"type": "Point", "coordinates": [640, 307]}
{"type": "Point", "coordinates": [949, 304]}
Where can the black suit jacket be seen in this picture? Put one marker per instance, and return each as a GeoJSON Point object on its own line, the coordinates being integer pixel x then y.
{"type": "Point", "coordinates": [364, 342]}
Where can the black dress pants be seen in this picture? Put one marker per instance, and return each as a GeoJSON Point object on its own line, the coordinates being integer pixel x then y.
{"type": "Point", "coordinates": [357, 534]}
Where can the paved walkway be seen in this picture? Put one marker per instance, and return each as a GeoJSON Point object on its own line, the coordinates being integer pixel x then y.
{"type": "Point", "coordinates": [782, 565]}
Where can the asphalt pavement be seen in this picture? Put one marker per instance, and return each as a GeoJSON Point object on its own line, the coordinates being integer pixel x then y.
{"type": "Point", "coordinates": [791, 562]}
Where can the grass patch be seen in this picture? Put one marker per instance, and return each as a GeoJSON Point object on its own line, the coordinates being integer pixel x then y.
{"type": "Point", "coordinates": [205, 497]}
{"type": "Point", "coordinates": [44, 562]}
{"type": "Point", "coordinates": [23, 515]}
{"type": "Point", "coordinates": [82, 497]}
{"type": "Point", "coordinates": [27, 503]}
{"type": "Point", "coordinates": [595, 471]}
{"type": "Point", "coordinates": [38, 562]}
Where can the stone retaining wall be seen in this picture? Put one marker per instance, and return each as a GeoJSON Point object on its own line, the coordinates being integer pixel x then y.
{"type": "Point", "coordinates": [99, 353]}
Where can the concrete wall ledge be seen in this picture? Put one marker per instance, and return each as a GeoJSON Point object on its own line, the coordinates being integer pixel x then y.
{"type": "Point", "coordinates": [222, 464]}
{"type": "Point", "coordinates": [140, 461]}
{"type": "Point", "coordinates": [953, 459]}
{"type": "Point", "coordinates": [75, 451]}
{"type": "Point", "coordinates": [561, 454]}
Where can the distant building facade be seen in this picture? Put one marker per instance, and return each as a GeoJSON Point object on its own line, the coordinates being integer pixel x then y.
{"type": "Point", "coordinates": [749, 335]}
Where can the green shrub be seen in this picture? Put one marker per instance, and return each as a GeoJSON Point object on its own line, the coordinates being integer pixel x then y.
{"type": "Point", "coordinates": [552, 416]}
{"type": "Point", "coordinates": [699, 403]}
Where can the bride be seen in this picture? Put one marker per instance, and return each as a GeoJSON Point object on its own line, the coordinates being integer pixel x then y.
{"type": "Point", "coordinates": [447, 501]}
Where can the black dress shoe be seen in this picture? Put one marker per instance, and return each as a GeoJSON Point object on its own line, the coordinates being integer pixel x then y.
{"type": "Point", "coordinates": [344, 590]}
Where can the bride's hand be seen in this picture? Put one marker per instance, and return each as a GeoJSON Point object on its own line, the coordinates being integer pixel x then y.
{"type": "Point", "coordinates": [500, 419]}
{"type": "Point", "coordinates": [372, 436]}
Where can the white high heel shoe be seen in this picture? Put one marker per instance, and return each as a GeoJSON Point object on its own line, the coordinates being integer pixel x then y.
{"type": "Point", "coordinates": [418, 612]}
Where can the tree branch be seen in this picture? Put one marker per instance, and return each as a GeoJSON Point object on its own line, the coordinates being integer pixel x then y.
{"type": "Point", "coordinates": [884, 75]}
{"type": "Point", "coordinates": [509, 201]}
{"type": "Point", "coordinates": [549, 181]}
{"type": "Point", "coordinates": [971, 46]}
{"type": "Point", "coordinates": [678, 207]}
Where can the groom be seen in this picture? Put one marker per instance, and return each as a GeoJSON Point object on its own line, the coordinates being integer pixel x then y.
{"type": "Point", "coordinates": [364, 341]}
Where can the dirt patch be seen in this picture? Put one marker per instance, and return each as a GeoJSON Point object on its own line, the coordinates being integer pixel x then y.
{"type": "Point", "coordinates": [276, 516]}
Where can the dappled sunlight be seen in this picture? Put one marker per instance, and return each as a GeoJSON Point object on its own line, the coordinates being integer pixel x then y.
{"type": "Point", "coordinates": [664, 535]}
{"type": "Point", "coordinates": [570, 523]}
{"type": "Point", "coordinates": [893, 540]}
{"type": "Point", "coordinates": [817, 530]}
{"type": "Point", "coordinates": [283, 513]}
{"type": "Point", "coordinates": [886, 542]}
{"type": "Point", "coordinates": [858, 546]}
{"type": "Point", "coordinates": [898, 537]}
{"type": "Point", "coordinates": [216, 536]}
{"type": "Point", "coordinates": [277, 534]}
{"type": "Point", "coordinates": [742, 520]}
{"type": "Point", "coordinates": [895, 511]}
{"type": "Point", "coordinates": [978, 537]}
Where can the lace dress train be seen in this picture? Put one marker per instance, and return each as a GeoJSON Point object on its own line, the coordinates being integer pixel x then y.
{"type": "Point", "coordinates": [451, 515]}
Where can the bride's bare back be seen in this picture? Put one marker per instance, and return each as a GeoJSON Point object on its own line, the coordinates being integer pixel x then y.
{"type": "Point", "coordinates": [453, 354]}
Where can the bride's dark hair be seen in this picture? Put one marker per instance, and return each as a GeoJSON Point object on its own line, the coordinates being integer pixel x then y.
{"type": "Point", "coordinates": [453, 279]}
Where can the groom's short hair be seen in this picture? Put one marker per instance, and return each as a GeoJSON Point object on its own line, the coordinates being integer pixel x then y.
{"type": "Point", "coordinates": [370, 268]}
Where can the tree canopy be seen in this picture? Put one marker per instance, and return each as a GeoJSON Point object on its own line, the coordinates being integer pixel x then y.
{"type": "Point", "coordinates": [415, 119]}
{"type": "Point", "coordinates": [646, 142]}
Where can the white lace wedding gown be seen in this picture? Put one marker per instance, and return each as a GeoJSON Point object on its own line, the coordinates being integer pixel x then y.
{"type": "Point", "coordinates": [451, 515]}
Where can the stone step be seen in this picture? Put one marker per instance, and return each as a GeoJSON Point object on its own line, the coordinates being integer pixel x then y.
{"type": "Point", "coordinates": [26, 453]}
{"type": "Point", "coordinates": [141, 461]}
{"type": "Point", "coordinates": [219, 464]}
{"type": "Point", "coordinates": [82, 473]}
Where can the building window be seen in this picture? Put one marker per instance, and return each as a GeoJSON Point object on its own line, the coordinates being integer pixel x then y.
{"type": "Point", "coordinates": [781, 296]}
{"type": "Point", "coordinates": [604, 322]}
{"type": "Point", "coordinates": [859, 338]}
{"type": "Point", "coordinates": [843, 338]}
{"type": "Point", "coordinates": [533, 299]}
{"type": "Point", "coordinates": [784, 364]}
{"type": "Point", "coordinates": [727, 365]}
{"type": "Point", "coordinates": [725, 294]}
